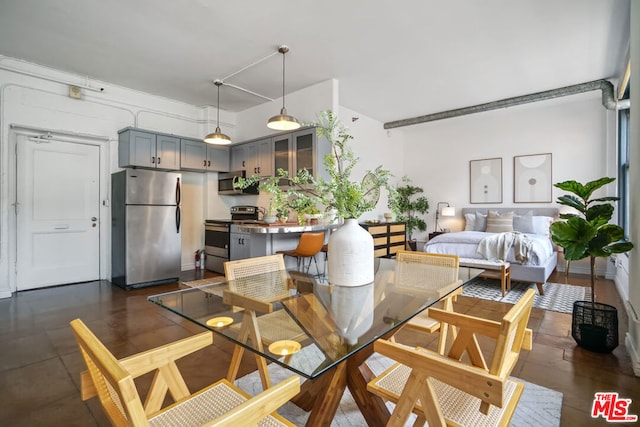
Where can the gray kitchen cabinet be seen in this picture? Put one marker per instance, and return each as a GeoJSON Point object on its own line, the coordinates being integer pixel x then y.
{"type": "Point", "coordinates": [149, 150]}
{"type": "Point", "coordinates": [255, 157]}
{"type": "Point", "coordinates": [193, 155]}
{"type": "Point", "coordinates": [246, 245]}
{"type": "Point", "coordinates": [239, 246]}
{"type": "Point", "coordinates": [301, 150]}
{"type": "Point", "coordinates": [239, 157]}
{"type": "Point", "coordinates": [217, 158]}
{"type": "Point", "coordinates": [196, 155]}
{"type": "Point", "coordinates": [309, 151]}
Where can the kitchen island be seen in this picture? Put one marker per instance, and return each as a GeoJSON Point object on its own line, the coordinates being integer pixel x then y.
{"type": "Point", "coordinates": [259, 239]}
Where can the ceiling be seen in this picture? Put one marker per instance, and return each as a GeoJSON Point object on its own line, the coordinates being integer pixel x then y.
{"type": "Point", "coordinates": [402, 60]}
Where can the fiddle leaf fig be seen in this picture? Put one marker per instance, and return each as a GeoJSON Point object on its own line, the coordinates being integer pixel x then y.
{"type": "Point", "coordinates": [588, 234]}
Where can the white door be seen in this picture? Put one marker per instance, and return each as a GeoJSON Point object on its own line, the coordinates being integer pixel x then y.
{"type": "Point", "coordinates": [58, 239]}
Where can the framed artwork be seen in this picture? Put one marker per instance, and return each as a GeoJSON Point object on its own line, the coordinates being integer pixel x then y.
{"type": "Point", "coordinates": [532, 178]}
{"type": "Point", "coordinates": [485, 183]}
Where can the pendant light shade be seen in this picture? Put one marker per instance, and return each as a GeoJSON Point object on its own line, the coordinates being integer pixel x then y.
{"type": "Point", "coordinates": [283, 121]}
{"type": "Point", "coordinates": [217, 137]}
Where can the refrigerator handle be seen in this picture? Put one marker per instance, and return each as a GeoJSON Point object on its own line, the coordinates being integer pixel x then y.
{"type": "Point", "coordinates": [177, 219]}
{"type": "Point", "coordinates": [178, 195]}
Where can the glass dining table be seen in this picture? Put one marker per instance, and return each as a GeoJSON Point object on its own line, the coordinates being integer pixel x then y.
{"type": "Point", "coordinates": [316, 330]}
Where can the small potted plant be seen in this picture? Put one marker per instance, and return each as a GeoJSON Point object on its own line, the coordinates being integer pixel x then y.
{"type": "Point", "coordinates": [588, 234]}
{"type": "Point", "coordinates": [406, 207]}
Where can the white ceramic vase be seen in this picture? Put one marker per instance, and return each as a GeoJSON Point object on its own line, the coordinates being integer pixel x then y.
{"type": "Point", "coordinates": [350, 256]}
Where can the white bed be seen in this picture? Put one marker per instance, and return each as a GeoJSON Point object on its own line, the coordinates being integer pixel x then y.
{"type": "Point", "coordinates": [543, 258]}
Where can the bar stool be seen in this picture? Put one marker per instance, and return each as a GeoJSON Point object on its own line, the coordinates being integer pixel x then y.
{"type": "Point", "coordinates": [309, 246]}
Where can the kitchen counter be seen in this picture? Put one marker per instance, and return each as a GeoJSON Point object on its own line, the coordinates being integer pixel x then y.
{"type": "Point", "coordinates": [290, 227]}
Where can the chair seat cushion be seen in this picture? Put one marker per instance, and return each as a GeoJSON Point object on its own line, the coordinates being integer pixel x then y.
{"type": "Point", "coordinates": [457, 406]}
{"type": "Point", "coordinates": [206, 405]}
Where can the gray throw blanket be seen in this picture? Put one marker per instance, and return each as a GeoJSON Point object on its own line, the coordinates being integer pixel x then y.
{"type": "Point", "coordinates": [497, 246]}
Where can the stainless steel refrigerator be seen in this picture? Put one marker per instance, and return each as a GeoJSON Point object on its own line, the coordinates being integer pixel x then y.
{"type": "Point", "coordinates": [146, 241]}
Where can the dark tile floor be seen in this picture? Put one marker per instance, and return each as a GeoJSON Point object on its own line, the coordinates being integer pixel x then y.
{"type": "Point", "coordinates": [40, 364]}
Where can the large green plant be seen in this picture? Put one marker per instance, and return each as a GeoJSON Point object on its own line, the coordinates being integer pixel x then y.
{"type": "Point", "coordinates": [588, 233]}
{"type": "Point", "coordinates": [406, 207]}
{"type": "Point", "coordinates": [350, 198]}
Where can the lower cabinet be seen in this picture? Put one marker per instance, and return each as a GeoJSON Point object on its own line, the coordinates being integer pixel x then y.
{"type": "Point", "coordinates": [388, 237]}
{"type": "Point", "coordinates": [247, 245]}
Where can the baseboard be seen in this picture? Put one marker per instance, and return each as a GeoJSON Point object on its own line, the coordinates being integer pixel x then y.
{"type": "Point", "coordinates": [633, 354]}
{"type": "Point", "coordinates": [5, 294]}
{"type": "Point", "coordinates": [632, 338]}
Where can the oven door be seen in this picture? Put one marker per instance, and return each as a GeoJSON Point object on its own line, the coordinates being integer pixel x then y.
{"type": "Point", "coordinates": [216, 240]}
{"type": "Point", "coordinates": [216, 246]}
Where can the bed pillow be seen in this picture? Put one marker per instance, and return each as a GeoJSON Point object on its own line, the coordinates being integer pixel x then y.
{"type": "Point", "coordinates": [481, 222]}
{"type": "Point", "coordinates": [541, 225]}
{"type": "Point", "coordinates": [523, 223]}
{"type": "Point", "coordinates": [497, 223]}
{"type": "Point", "coordinates": [469, 222]}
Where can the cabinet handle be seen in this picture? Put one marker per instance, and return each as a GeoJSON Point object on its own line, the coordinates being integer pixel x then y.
{"type": "Point", "coordinates": [204, 163]}
{"type": "Point", "coordinates": [209, 163]}
{"type": "Point", "coordinates": [153, 160]}
{"type": "Point", "coordinates": [158, 160]}
{"type": "Point", "coordinates": [243, 165]}
{"type": "Point", "coordinates": [258, 169]}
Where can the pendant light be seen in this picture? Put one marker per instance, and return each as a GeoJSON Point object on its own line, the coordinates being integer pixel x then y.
{"type": "Point", "coordinates": [283, 121]}
{"type": "Point", "coordinates": [217, 137]}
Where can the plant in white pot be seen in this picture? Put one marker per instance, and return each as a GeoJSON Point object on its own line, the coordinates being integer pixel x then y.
{"type": "Point", "coordinates": [350, 255]}
{"type": "Point", "coordinates": [588, 234]}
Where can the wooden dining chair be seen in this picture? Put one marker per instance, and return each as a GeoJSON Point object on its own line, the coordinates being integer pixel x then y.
{"type": "Point", "coordinates": [422, 270]}
{"type": "Point", "coordinates": [444, 390]}
{"type": "Point", "coordinates": [220, 404]}
{"type": "Point", "coordinates": [261, 323]}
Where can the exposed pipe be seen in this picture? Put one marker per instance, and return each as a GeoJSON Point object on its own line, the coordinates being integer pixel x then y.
{"type": "Point", "coordinates": [608, 101]}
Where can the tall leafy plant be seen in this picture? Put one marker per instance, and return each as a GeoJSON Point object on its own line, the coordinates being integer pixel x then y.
{"type": "Point", "coordinates": [350, 198]}
{"type": "Point", "coordinates": [407, 207]}
{"type": "Point", "coordinates": [588, 234]}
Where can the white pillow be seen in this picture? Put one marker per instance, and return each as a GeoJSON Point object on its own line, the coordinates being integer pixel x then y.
{"type": "Point", "coordinates": [541, 225]}
{"type": "Point", "coordinates": [481, 222]}
{"type": "Point", "coordinates": [470, 222]}
{"type": "Point", "coordinates": [523, 223]}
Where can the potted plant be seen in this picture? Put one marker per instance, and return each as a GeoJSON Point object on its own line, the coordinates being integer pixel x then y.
{"type": "Point", "coordinates": [588, 234]}
{"type": "Point", "coordinates": [350, 256]}
{"type": "Point", "coordinates": [406, 206]}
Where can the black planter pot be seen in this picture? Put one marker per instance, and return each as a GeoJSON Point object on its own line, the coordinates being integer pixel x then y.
{"type": "Point", "coordinates": [413, 244]}
{"type": "Point", "coordinates": [594, 326]}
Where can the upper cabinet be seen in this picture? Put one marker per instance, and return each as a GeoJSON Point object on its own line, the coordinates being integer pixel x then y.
{"type": "Point", "coordinates": [290, 151]}
{"type": "Point", "coordinates": [308, 152]}
{"type": "Point", "coordinates": [145, 149]}
{"type": "Point", "coordinates": [254, 157]}
{"type": "Point", "coordinates": [196, 155]}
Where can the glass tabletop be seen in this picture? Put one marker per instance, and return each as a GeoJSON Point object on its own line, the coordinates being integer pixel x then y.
{"type": "Point", "coordinates": [305, 324]}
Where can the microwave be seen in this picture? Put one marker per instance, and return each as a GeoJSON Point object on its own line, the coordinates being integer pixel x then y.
{"type": "Point", "coordinates": [227, 179]}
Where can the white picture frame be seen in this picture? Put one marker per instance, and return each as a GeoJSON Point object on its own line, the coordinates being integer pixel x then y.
{"type": "Point", "coordinates": [532, 178]}
{"type": "Point", "coordinates": [485, 180]}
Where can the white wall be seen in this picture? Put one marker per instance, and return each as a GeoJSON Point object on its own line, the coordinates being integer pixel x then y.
{"type": "Point", "coordinates": [43, 104]}
{"type": "Point", "coordinates": [632, 340]}
{"type": "Point", "coordinates": [437, 154]}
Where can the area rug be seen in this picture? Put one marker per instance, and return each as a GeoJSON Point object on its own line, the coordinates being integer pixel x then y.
{"type": "Point", "coordinates": [538, 405]}
{"type": "Point", "coordinates": [557, 296]}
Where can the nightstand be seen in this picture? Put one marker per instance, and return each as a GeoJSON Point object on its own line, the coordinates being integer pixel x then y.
{"type": "Point", "coordinates": [435, 233]}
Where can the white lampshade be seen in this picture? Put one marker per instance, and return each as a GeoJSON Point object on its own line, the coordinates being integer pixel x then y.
{"type": "Point", "coordinates": [448, 211]}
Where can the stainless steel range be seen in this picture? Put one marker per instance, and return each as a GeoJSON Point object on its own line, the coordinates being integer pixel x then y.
{"type": "Point", "coordinates": [217, 234]}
